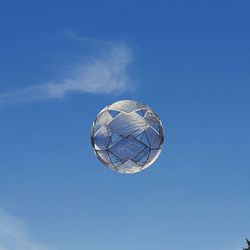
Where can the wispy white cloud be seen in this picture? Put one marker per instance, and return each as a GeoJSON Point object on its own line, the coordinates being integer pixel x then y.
{"type": "Point", "coordinates": [14, 235]}
{"type": "Point", "coordinates": [77, 36]}
{"type": "Point", "coordinates": [105, 73]}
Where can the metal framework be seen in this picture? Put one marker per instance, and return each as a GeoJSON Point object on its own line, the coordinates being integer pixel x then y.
{"type": "Point", "coordinates": [127, 136]}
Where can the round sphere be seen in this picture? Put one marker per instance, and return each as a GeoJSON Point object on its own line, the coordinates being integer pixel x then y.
{"type": "Point", "coordinates": [127, 136]}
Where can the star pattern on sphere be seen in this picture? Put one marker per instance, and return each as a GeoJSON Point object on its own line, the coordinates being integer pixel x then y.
{"type": "Point", "coordinates": [127, 136]}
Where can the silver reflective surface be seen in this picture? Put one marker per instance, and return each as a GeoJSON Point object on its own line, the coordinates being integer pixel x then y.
{"type": "Point", "coordinates": [127, 136]}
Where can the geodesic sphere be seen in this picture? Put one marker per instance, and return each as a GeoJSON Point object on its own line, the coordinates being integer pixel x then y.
{"type": "Point", "coordinates": [127, 136]}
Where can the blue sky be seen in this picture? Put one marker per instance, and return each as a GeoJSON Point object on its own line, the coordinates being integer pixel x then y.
{"type": "Point", "coordinates": [61, 62]}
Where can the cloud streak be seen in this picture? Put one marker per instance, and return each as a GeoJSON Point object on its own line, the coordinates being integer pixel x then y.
{"type": "Point", "coordinates": [105, 73]}
{"type": "Point", "coordinates": [76, 36]}
{"type": "Point", "coordinates": [14, 235]}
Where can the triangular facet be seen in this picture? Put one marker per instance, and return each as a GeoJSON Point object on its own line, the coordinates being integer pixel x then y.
{"type": "Point", "coordinates": [139, 137]}
{"type": "Point", "coordinates": [145, 140]}
{"type": "Point", "coordinates": [141, 112]}
{"type": "Point", "coordinates": [113, 158]}
{"type": "Point", "coordinates": [115, 138]}
{"type": "Point", "coordinates": [114, 113]}
{"type": "Point", "coordinates": [142, 155]}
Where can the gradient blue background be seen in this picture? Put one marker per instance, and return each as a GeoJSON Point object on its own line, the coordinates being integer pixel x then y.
{"type": "Point", "coordinates": [191, 65]}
